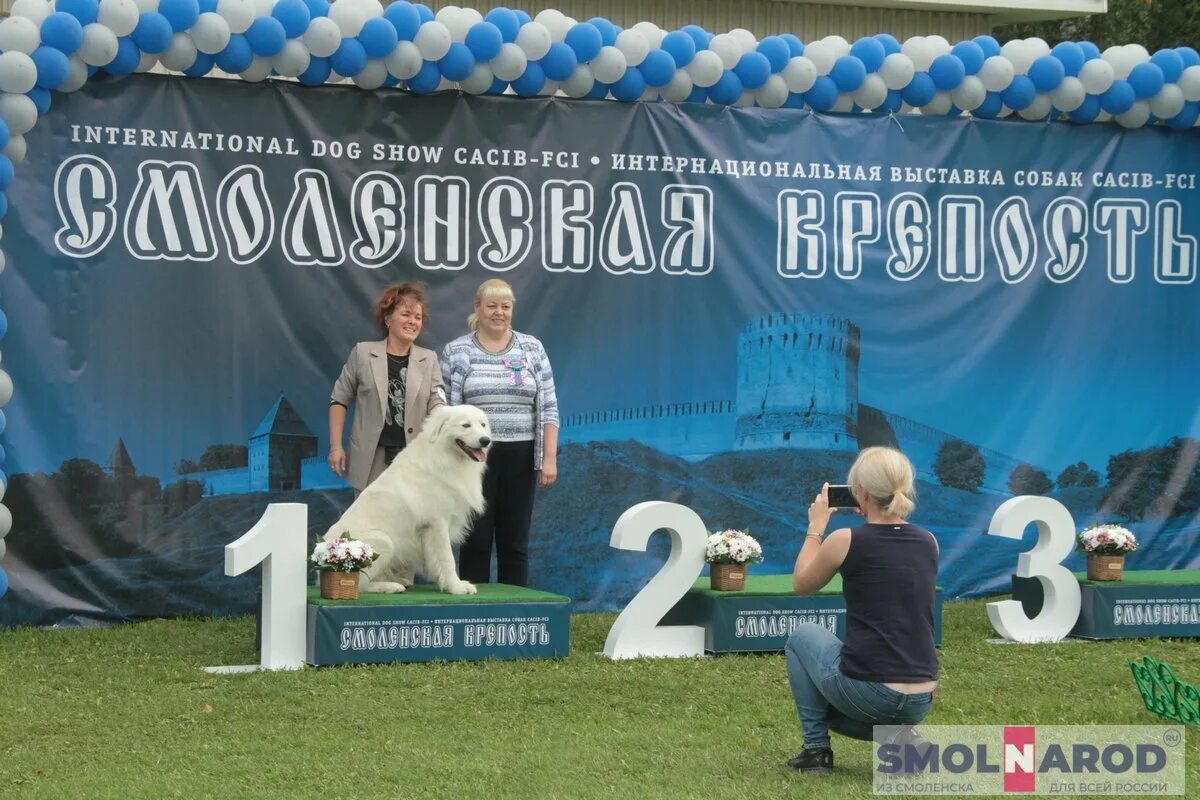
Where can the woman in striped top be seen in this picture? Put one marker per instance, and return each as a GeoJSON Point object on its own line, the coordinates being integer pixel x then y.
{"type": "Point", "coordinates": [507, 374]}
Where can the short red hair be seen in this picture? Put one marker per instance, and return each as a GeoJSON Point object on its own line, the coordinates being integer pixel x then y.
{"type": "Point", "coordinates": [393, 295]}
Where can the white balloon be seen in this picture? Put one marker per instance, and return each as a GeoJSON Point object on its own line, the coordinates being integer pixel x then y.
{"type": "Point", "coordinates": [549, 89]}
{"type": "Point", "coordinates": [240, 13]}
{"type": "Point", "coordinates": [1137, 52]}
{"type": "Point", "coordinates": [78, 75]}
{"type": "Point", "coordinates": [350, 16]}
{"type": "Point", "coordinates": [650, 32]}
{"type": "Point", "coordinates": [609, 65]}
{"type": "Point", "coordinates": [16, 148]}
{"type": "Point", "coordinates": [5, 521]}
{"type": "Point", "coordinates": [634, 46]}
{"type": "Point", "coordinates": [451, 17]}
{"type": "Point", "coordinates": [210, 33]}
{"type": "Point", "coordinates": [821, 55]}
{"type": "Point", "coordinates": [727, 49]}
{"type": "Point", "coordinates": [939, 44]}
{"type": "Point", "coordinates": [472, 16]}
{"type": "Point", "coordinates": [180, 53]}
{"type": "Point", "coordinates": [970, 94]}
{"type": "Point", "coordinates": [774, 93]}
{"type": "Point", "coordinates": [146, 63]}
{"type": "Point", "coordinates": [293, 59]}
{"type": "Point", "coordinates": [146, 6]}
{"type": "Point", "coordinates": [844, 104]}
{"type": "Point", "coordinates": [1189, 83]}
{"type": "Point", "coordinates": [1038, 46]}
{"type": "Point", "coordinates": [19, 112]}
{"type": "Point", "coordinates": [996, 73]}
{"type": "Point", "coordinates": [748, 41]}
{"type": "Point", "coordinates": [22, 35]}
{"type": "Point", "coordinates": [1168, 102]}
{"type": "Point", "coordinates": [799, 74]}
{"type": "Point", "coordinates": [838, 44]}
{"type": "Point", "coordinates": [1135, 117]}
{"type": "Point", "coordinates": [939, 105]}
{"type": "Point", "coordinates": [509, 63]}
{"type": "Point", "coordinates": [259, 69]}
{"type": "Point", "coordinates": [1038, 110]}
{"type": "Point", "coordinates": [404, 61]}
{"type": "Point", "coordinates": [262, 8]}
{"type": "Point", "coordinates": [372, 76]}
{"type": "Point", "coordinates": [745, 99]}
{"type": "Point", "coordinates": [323, 37]}
{"type": "Point", "coordinates": [433, 40]}
{"type": "Point", "coordinates": [651, 95]}
{"type": "Point", "coordinates": [99, 46]}
{"type": "Point", "coordinates": [872, 93]}
{"type": "Point", "coordinates": [33, 10]}
{"type": "Point", "coordinates": [920, 50]}
{"type": "Point", "coordinates": [534, 38]}
{"type": "Point", "coordinates": [1121, 60]}
{"type": "Point", "coordinates": [479, 81]}
{"type": "Point", "coordinates": [18, 73]}
{"type": "Point", "coordinates": [554, 21]}
{"type": "Point", "coordinates": [580, 82]}
{"type": "Point", "coordinates": [1022, 57]}
{"type": "Point", "coordinates": [897, 71]}
{"type": "Point", "coordinates": [119, 16]}
{"type": "Point", "coordinates": [706, 68]}
{"type": "Point", "coordinates": [1069, 95]}
{"type": "Point", "coordinates": [1097, 76]}
{"type": "Point", "coordinates": [679, 88]}
{"type": "Point", "coordinates": [6, 388]}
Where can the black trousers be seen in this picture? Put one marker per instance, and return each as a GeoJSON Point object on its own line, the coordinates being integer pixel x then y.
{"type": "Point", "coordinates": [508, 487]}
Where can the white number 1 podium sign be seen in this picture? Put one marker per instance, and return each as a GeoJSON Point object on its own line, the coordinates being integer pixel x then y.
{"type": "Point", "coordinates": [278, 541]}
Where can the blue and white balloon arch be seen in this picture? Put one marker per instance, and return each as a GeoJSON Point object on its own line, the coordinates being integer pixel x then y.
{"type": "Point", "coordinates": [47, 47]}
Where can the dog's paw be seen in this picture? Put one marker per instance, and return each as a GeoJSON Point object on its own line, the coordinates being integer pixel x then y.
{"type": "Point", "coordinates": [463, 587]}
{"type": "Point", "coordinates": [384, 587]}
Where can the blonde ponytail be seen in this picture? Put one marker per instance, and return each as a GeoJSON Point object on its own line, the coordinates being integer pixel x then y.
{"type": "Point", "coordinates": [494, 289]}
{"type": "Point", "coordinates": [888, 477]}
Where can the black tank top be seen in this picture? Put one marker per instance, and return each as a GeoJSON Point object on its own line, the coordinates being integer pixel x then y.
{"type": "Point", "coordinates": [889, 580]}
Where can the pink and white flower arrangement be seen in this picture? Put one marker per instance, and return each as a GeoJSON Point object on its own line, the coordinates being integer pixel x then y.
{"type": "Point", "coordinates": [343, 555]}
{"type": "Point", "coordinates": [1107, 540]}
{"type": "Point", "coordinates": [733, 547]}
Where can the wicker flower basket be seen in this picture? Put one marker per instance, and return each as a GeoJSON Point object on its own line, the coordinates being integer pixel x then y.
{"type": "Point", "coordinates": [339, 585]}
{"type": "Point", "coordinates": [1104, 568]}
{"type": "Point", "coordinates": [729, 577]}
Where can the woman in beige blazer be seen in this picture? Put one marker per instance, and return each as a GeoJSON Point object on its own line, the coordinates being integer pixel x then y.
{"type": "Point", "coordinates": [393, 385]}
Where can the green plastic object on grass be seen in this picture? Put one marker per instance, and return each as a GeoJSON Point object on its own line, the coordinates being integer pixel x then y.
{"type": "Point", "coordinates": [1164, 694]}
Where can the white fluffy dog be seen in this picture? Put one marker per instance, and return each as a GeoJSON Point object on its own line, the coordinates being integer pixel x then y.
{"type": "Point", "coordinates": [422, 504]}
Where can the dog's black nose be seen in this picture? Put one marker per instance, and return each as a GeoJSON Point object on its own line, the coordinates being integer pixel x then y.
{"type": "Point", "coordinates": [484, 441]}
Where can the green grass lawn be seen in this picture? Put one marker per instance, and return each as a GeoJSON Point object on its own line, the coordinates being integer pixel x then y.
{"type": "Point", "coordinates": [128, 713]}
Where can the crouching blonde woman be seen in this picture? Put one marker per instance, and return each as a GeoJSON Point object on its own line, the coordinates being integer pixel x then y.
{"type": "Point", "coordinates": [886, 670]}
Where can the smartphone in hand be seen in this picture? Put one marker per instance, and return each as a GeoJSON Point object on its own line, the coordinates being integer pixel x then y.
{"type": "Point", "coordinates": [841, 496]}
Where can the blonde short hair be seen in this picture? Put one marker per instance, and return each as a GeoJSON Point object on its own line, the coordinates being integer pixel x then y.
{"type": "Point", "coordinates": [494, 289]}
{"type": "Point", "coordinates": [887, 476]}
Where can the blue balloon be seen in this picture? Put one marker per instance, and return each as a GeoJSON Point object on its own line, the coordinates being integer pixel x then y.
{"type": "Point", "coordinates": [586, 40]}
{"type": "Point", "coordinates": [727, 90]}
{"type": "Point", "coordinates": [153, 33]}
{"type": "Point", "coordinates": [531, 80]}
{"type": "Point", "coordinates": [1071, 55]}
{"type": "Point", "coordinates": [458, 63]}
{"type": "Point", "coordinates": [378, 37]}
{"type": "Point", "coordinates": [498, 86]}
{"type": "Point", "coordinates": [608, 31]}
{"type": "Point", "coordinates": [405, 19]}
{"type": "Point", "coordinates": [3, 206]}
{"type": "Point", "coordinates": [202, 66]}
{"type": "Point", "coordinates": [629, 87]}
{"type": "Point", "coordinates": [699, 36]}
{"type": "Point", "coordinates": [3, 583]}
{"type": "Point", "coordinates": [1171, 64]}
{"type": "Point", "coordinates": [753, 69]}
{"type": "Point", "coordinates": [317, 72]}
{"type": "Point", "coordinates": [427, 79]}
{"type": "Point", "coordinates": [890, 43]}
{"type": "Point", "coordinates": [1090, 50]}
{"type": "Point", "coordinates": [127, 59]}
{"type": "Point", "coordinates": [83, 10]}
{"type": "Point", "coordinates": [40, 98]}
{"type": "Point", "coordinates": [3, 425]}
{"type": "Point", "coordinates": [267, 36]}
{"type": "Point", "coordinates": [349, 59]}
{"type": "Point", "coordinates": [1186, 118]}
{"type": "Point", "coordinates": [794, 44]}
{"type": "Point", "coordinates": [1020, 93]}
{"type": "Point", "coordinates": [391, 80]}
{"type": "Point", "coordinates": [3, 331]}
{"type": "Point", "coordinates": [920, 90]}
{"type": "Point", "coordinates": [560, 62]}
{"type": "Point", "coordinates": [823, 95]}
{"type": "Point", "coordinates": [484, 40]}
{"type": "Point", "coordinates": [680, 46]}
{"type": "Point", "coordinates": [848, 73]}
{"type": "Point", "coordinates": [1047, 73]}
{"type": "Point", "coordinates": [776, 51]}
{"type": "Point", "coordinates": [893, 102]}
{"type": "Point", "coordinates": [53, 67]}
{"type": "Point", "coordinates": [506, 21]}
{"type": "Point", "coordinates": [237, 55]}
{"type": "Point", "coordinates": [62, 32]}
{"type": "Point", "coordinates": [1119, 98]}
{"type": "Point", "coordinates": [794, 100]}
{"type": "Point", "coordinates": [522, 17]}
{"type": "Point", "coordinates": [990, 107]}
{"type": "Point", "coordinates": [658, 68]}
{"type": "Point", "coordinates": [1146, 80]}
{"type": "Point", "coordinates": [210, 6]}
{"type": "Point", "coordinates": [6, 178]}
{"type": "Point", "coordinates": [3, 455]}
{"type": "Point", "coordinates": [1087, 111]}
{"type": "Point", "coordinates": [947, 72]}
{"type": "Point", "coordinates": [294, 16]}
{"type": "Point", "coordinates": [988, 44]}
{"type": "Point", "coordinates": [1190, 57]}
{"type": "Point", "coordinates": [869, 51]}
{"type": "Point", "coordinates": [971, 55]}
{"type": "Point", "coordinates": [599, 91]}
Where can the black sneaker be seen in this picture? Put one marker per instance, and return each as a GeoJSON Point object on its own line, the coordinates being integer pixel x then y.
{"type": "Point", "coordinates": [814, 761]}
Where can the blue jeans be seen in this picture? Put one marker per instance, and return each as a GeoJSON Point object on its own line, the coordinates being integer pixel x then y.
{"type": "Point", "coordinates": [828, 700]}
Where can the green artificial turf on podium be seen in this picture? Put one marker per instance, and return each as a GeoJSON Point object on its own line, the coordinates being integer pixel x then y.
{"type": "Point", "coordinates": [765, 585]}
{"type": "Point", "coordinates": [428, 595]}
{"type": "Point", "coordinates": [1153, 577]}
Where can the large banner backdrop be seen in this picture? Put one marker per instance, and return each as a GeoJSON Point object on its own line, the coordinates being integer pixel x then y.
{"type": "Point", "coordinates": [734, 302]}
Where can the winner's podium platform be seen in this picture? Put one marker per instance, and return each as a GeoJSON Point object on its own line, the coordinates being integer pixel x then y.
{"type": "Point", "coordinates": [761, 617]}
{"type": "Point", "coordinates": [423, 624]}
{"type": "Point", "coordinates": [1154, 603]}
